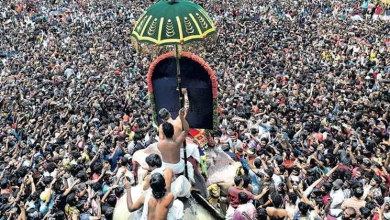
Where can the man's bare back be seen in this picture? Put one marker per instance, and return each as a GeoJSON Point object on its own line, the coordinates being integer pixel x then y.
{"type": "Point", "coordinates": [170, 145]}
{"type": "Point", "coordinates": [158, 209]}
{"type": "Point", "coordinates": [170, 151]}
{"type": "Point", "coordinates": [177, 125]}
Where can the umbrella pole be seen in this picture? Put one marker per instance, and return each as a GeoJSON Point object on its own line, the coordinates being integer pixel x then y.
{"type": "Point", "coordinates": [181, 102]}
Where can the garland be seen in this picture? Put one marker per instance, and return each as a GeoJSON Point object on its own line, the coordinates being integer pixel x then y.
{"type": "Point", "coordinates": [202, 62]}
{"type": "Point", "coordinates": [154, 109]}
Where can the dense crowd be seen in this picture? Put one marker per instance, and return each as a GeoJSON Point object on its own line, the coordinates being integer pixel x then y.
{"type": "Point", "coordinates": [304, 99]}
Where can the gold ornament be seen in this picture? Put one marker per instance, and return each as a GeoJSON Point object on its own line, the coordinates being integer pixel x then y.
{"type": "Point", "coordinates": [152, 28]}
{"type": "Point", "coordinates": [202, 21]}
{"type": "Point", "coordinates": [188, 26]}
{"type": "Point", "coordinates": [170, 30]}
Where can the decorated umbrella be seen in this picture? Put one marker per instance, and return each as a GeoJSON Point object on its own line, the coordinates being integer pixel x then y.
{"type": "Point", "coordinates": [174, 22]}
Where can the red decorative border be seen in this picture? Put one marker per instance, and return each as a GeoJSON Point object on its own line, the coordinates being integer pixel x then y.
{"type": "Point", "coordinates": [192, 57]}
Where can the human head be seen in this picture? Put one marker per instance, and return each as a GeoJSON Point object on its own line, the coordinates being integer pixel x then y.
{"type": "Point", "coordinates": [157, 183]}
{"type": "Point", "coordinates": [292, 197]}
{"type": "Point", "coordinates": [268, 174]}
{"type": "Point", "coordinates": [238, 181]}
{"type": "Point", "coordinates": [349, 213]}
{"type": "Point", "coordinates": [277, 200]}
{"type": "Point", "coordinates": [243, 198]}
{"type": "Point", "coordinates": [247, 180]}
{"type": "Point", "coordinates": [164, 114]}
{"type": "Point", "coordinates": [303, 208]}
{"type": "Point", "coordinates": [337, 184]}
{"type": "Point", "coordinates": [154, 161]}
{"type": "Point", "coordinates": [376, 181]}
{"type": "Point", "coordinates": [358, 192]}
{"type": "Point", "coordinates": [365, 212]}
{"type": "Point", "coordinates": [168, 129]}
{"type": "Point", "coordinates": [262, 214]}
{"type": "Point", "coordinates": [327, 187]}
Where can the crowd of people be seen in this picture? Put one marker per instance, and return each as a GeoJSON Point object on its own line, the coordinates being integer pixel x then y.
{"type": "Point", "coordinates": [304, 99]}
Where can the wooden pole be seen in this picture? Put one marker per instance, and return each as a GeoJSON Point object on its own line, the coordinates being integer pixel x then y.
{"type": "Point", "coordinates": [181, 104]}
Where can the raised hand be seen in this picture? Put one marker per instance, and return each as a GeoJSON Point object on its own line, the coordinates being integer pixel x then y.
{"type": "Point", "coordinates": [126, 183]}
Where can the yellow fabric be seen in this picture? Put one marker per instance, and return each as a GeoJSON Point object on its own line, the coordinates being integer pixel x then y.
{"type": "Point", "coordinates": [214, 194]}
{"type": "Point", "coordinates": [372, 56]}
{"type": "Point", "coordinates": [85, 156]}
{"type": "Point", "coordinates": [130, 134]}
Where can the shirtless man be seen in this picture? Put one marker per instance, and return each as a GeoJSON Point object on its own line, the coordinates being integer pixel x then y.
{"type": "Point", "coordinates": [156, 203]}
{"type": "Point", "coordinates": [170, 146]}
{"type": "Point", "coordinates": [180, 186]}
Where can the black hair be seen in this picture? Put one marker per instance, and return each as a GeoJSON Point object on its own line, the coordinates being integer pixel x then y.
{"type": "Point", "coordinates": [119, 191]}
{"type": "Point", "coordinates": [327, 186]}
{"type": "Point", "coordinates": [358, 192]}
{"type": "Point", "coordinates": [277, 200]}
{"type": "Point", "coordinates": [317, 192]}
{"type": "Point", "coordinates": [71, 199]}
{"type": "Point", "coordinates": [303, 208]}
{"type": "Point", "coordinates": [365, 212]}
{"type": "Point", "coordinates": [47, 180]}
{"type": "Point", "coordinates": [82, 175]}
{"type": "Point", "coordinates": [257, 163]}
{"type": "Point", "coordinates": [124, 161]}
{"type": "Point", "coordinates": [153, 160]}
{"type": "Point", "coordinates": [109, 213]}
{"type": "Point", "coordinates": [111, 200]}
{"type": "Point", "coordinates": [97, 167]}
{"type": "Point", "coordinates": [262, 214]}
{"type": "Point", "coordinates": [371, 205]}
{"type": "Point", "coordinates": [379, 200]}
{"type": "Point", "coordinates": [237, 180]}
{"type": "Point", "coordinates": [293, 197]}
{"type": "Point", "coordinates": [247, 181]}
{"type": "Point", "coordinates": [243, 198]}
{"type": "Point", "coordinates": [157, 183]}
{"type": "Point", "coordinates": [378, 180]}
{"type": "Point", "coordinates": [4, 183]}
{"type": "Point", "coordinates": [168, 129]}
{"type": "Point", "coordinates": [282, 169]}
{"type": "Point", "coordinates": [269, 172]}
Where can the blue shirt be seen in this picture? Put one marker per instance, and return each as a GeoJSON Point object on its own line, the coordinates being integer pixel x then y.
{"type": "Point", "coordinates": [114, 160]}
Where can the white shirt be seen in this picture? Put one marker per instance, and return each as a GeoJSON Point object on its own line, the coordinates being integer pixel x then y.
{"type": "Point", "coordinates": [337, 198]}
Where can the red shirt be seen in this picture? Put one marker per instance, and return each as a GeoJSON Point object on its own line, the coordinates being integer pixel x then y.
{"type": "Point", "coordinates": [233, 195]}
{"type": "Point", "coordinates": [326, 198]}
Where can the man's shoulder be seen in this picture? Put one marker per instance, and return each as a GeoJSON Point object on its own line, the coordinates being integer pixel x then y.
{"type": "Point", "coordinates": [169, 199]}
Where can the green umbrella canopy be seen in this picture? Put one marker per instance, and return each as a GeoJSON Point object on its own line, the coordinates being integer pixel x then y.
{"type": "Point", "coordinates": [173, 22]}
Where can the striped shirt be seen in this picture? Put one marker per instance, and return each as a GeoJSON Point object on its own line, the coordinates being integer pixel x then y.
{"type": "Point", "coordinates": [233, 195]}
{"type": "Point", "coordinates": [354, 203]}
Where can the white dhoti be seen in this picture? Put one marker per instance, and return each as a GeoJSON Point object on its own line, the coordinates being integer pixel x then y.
{"type": "Point", "coordinates": [179, 168]}
{"type": "Point", "coordinates": [180, 186]}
